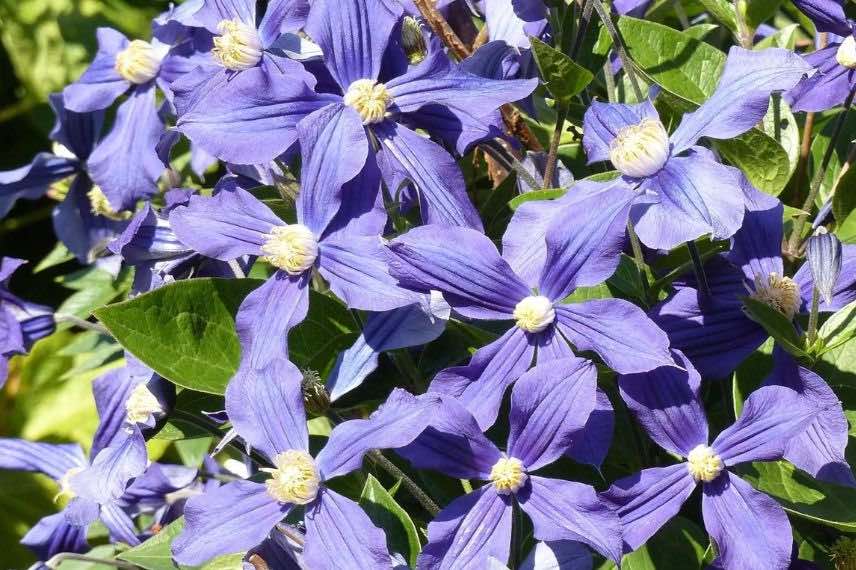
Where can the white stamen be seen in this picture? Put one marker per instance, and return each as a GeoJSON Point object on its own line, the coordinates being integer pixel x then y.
{"type": "Point", "coordinates": [508, 475]}
{"type": "Point", "coordinates": [139, 62]}
{"type": "Point", "coordinates": [534, 313]}
{"type": "Point", "coordinates": [292, 248]}
{"type": "Point", "coordinates": [142, 404]}
{"type": "Point", "coordinates": [846, 54]}
{"type": "Point", "coordinates": [238, 46]}
{"type": "Point", "coordinates": [704, 464]}
{"type": "Point", "coordinates": [294, 479]}
{"type": "Point", "coordinates": [781, 293]}
{"type": "Point", "coordinates": [640, 150]}
{"type": "Point", "coordinates": [370, 99]}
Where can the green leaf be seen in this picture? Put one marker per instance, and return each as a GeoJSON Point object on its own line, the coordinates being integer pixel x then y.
{"type": "Point", "coordinates": [844, 201]}
{"type": "Point", "coordinates": [328, 329]}
{"type": "Point", "coordinates": [758, 11]}
{"type": "Point", "coordinates": [92, 288]}
{"type": "Point", "coordinates": [680, 63]}
{"type": "Point", "coordinates": [156, 554]}
{"type": "Point", "coordinates": [763, 160]}
{"type": "Point", "coordinates": [564, 78]}
{"type": "Point", "coordinates": [839, 328]}
{"type": "Point", "coordinates": [103, 552]}
{"type": "Point", "coordinates": [57, 256]}
{"type": "Point", "coordinates": [722, 10]}
{"type": "Point", "coordinates": [189, 402]}
{"type": "Point", "coordinates": [801, 495]}
{"type": "Point", "coordinates": [784, 38]}
{"type": "Point", "coordinates": [184, 331]}
{"type": "Point", "coordinates": [386, 513]}
{"type": "Point", "coordinates": [699, 31]}
{"type": "Point", "coordinates": [535, 195]}
{"type": "Point", "coordinates": [777, 324]}
{"type": "Point", "coordinates": [680, 539]}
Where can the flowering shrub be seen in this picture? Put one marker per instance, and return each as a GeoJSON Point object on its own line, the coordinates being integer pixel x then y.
{"type": "Point", "coordinates": [446, 285]}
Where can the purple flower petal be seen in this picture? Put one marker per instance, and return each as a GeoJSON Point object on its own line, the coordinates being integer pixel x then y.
{"type": "Point", "coordinates": [53, 534]}
{"type": "Point", "coordinates": [213, 12]}
{"type": "Point", "coordinates": [282, 16]}
{"type": "Point", "coordinates": [618, 331]}
{"type": "Point", "coordinates": [460, 128]}
{"type": "Point", "coordinates": [394, 424]}
{"type": "Point", "coordinates": [267, 314]}
{"type": "Point", "coordinates": [751, 531]}
{"type": "Point", "coordinates": [84, 233]}
{"type": "Point", "coordinates": [757, 247]}
{"type": "Point", "coordinates": [742, 95]}
{"type": "Point", "coordinates": [587, 251]}
{"type": "Point", "coordinates": [334, 148]}
{"type": "Point", "coordinates": [566, 510]}
{"type": "Point", "coordinates": [648, 500]}
{"type": "Point", "coordinates": [439, 81]}
{"type": "Point", "coordinates": [407, 156]}
{"type": "Point", "coordinates": [353, 34]}
{"type": "Point", "coordinates": [33, 180]}
{"type": "Point", "coordinates": [829, 85]}
{"type": "Point", "coordinates": [227, 519]}
{"type": "Point", "coordinates": [551, 345]}
{"type": "Point", "coordinates": [591, 444]}
{"type": "Point", "coordinates": [819, 450]}
{"type": "Point", "coordinates": [827, 15]}
{"type": "Point", "coordinates": [472, 276]}
{"type": "Point", "coordinates": [356, 269]}
{"type": "Point", "coordinates": [54, 460]}
{"type": "Point", "coordinates": [125, 164]}
{"type": "Point", "coordinates": [697, 196]}
{"type": "Point", "coordinates": [504, 25]}
{"type": "Point", "coordinates": [550, 404]}
{"type": "Point", "coordinates": [772, 415]}
{"type": "Point", "coordinates": [481, 384]}
{"type": "Point", "coordinates": [362, 211]}
{"type": "Point", "coordinates": [78, 132]}
{"type": "Point", "coordinates": [112, 470]}
{"type": "Point", "coordinates": [252, 116]}
{"type": "Point", "coordinates": [602, 121]}
{"type": "Point", "coordinates": [111, 391]}
{"type": "Point", "coordinates": [339, 534]}
{"type": "Point", "coordinates": [226, 226]}
{"type": "Point", "coordinates": [469, 531]}
{"type": "Point", "coordinates": [100, 84]}
{"type": "Point", "coordinates": [558, 555]}
{"type": "Point", "coordinates": [665, 401]}
{"type": "Point", "coordinates": [265, 406]}
{"type": "Point", "coordinates": [119, 524]}
{"type": "Point", "coordinates": [454, 444]}
{"type": "Point", "coordinates": [413, 325]}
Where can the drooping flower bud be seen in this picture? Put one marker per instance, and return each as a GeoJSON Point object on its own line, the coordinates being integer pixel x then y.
{"type": "Point", "coordinates": [413, 40]}
{"type": "Point", "coordinates": [824, 258]}
{"type": "Point", "coordinates": [139, 62]}
{"type": "Point", "coordinates": [534, 313]}
{"type": "Point", "coordinates": [846, 54]}
{"type": "Point", "coordinates": [292, 248]}
{"type": "Point", "coordinates": [316, 400]}
{"type": "Point", "coordinates": [508, 475]}
{"type": "Point", "coordinates": [640, 150]}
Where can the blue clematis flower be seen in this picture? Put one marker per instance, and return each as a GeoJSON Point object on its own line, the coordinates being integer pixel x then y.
{"type": "Point", "coordinates": [373, 99]}
{"type": "Point", "coordinates": [480, 283]}
{"type": "Point", "coordinates": [836, 63]}
{"type": "Point", "coordinates": [693, 194]}
{"type": "Point", "coordinates": [21, 322]}
{"type": "Point", "coordinates": [267, 411]}
{"type": "Point", "coordinates": [750, 529]}
{"type": "Point", "coordinates": [716, 334]}
{"type": "Point", "coordinates": [550, 406]}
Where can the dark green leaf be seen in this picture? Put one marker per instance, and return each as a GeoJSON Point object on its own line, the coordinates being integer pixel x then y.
{"type": "Point", "coordinates": [328, 329]}
{"type": "Point", "coordinates": [563, 78]}
{"type": "Point", "coordinates": [763, 160]}
{"type": "Point", "coordinates": [776, 324]}
{"type": "Point", "coordinates": [184, 331]}
{"type": "Point", "coordinates": [839, 328]}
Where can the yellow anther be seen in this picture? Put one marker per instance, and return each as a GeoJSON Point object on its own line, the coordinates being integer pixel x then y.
{"type": "Point", "coordinates": [294, 479]}
{"type": "Point", "coordinates": [508, 475]}
{"type": "Point", "coordinates": [65, 484]}
{"type": "Point", "coordinates": [292, 248]}
{"type": "Point", "coordinates": [781, 293]}
{"type": "Point", "coordinates": [704, 464]}
{"type": "Point", "coordinates": [141, 404]}
{"type": "Point", "coordinates": [139, 62]}
{"type": "Point", "coordinates": [640, 150]}
{"type": "Point", "coordinates": [238, 46]}
{"type": "Point", "coordinates": [534, 313]}
{"type": "Point", "coordinates": [370, 99]}
{"type": "Point", "coordinates": [100, 205]}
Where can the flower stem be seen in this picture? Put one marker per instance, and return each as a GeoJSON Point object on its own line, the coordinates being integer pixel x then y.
{"type": "Point", "coordinates": [55, 561]}
{"type": "Point", "coordinates": [618, 45]}
{"type": "Point", "coordinates": [796, 235]}
{"type": "Point", "coordinates": [744, 34]}
{"type": "Point", "coordinates": [811, 334]}
{"type": "Point", "coordinates": [421, 496]}
{"type": "Point", "coordinates": [582, 28]}
{"type": "Point", "coordinates": [442, 28]}
{"type": "Point", "coordinates": [638, 257]}
{"type": "Point", "coordinates": [81, 323]}
{"type": "Point", "coordinates": [698, 268]}
{"type": "Point", "coordinates": [553, 153]}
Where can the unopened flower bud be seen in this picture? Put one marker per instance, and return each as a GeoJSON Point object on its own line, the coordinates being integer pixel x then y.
{"type": "Point", "coordinates": [316, 400]}
{"type": "Point", "coordinates": [824, 258]}
{"type": "Point", "coordinates": [413, 40]}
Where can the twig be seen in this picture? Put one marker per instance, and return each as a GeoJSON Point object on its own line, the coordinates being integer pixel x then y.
{"type": "Point", "coordinates": [442, 28]}
{"type": "Point", "coordinates": [58, 559]}
{"type": "Point", "coordinates": [698, 268]}
{"type": "Point", "coordinates": [81, 323]}
{"type": "Point", "coordinates": [553, 153]}
{"type": "Point", "coordinates": [421, 496]}
{"type": "Point", "coordinates": [618, 45]}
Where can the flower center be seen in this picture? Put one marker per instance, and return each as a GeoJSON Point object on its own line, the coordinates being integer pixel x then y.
{"type": "Point", "coordinates": [640, 150]}
{"type": "Point", "coordinates": [703, 464]}
{"type": "Point", "coordinates": [238, 46]}
{"type": "Point", "coordinates": [370, 99]}
{"type": "Point", "coordinates": [846, 54]}
{"type": "Point", "coordinates": [508, 475]}
{"type": "Point", "coordinates": [292, 248]}
{"type": "Point", "coordinates": [534, 313]}
{"type": "Point", "coordinates": [65, 484]}
{"type": "Point", "coordinates": [59, 149]}
{"type": "Point", "coordinates": [138, 63]}
{"type": "Point", "coordinates": [100, 205]}
{"type": "Point", "coordinates": [781, 293]}
{"type": "Point", "coordinates": [295, 478]}
{"type": "Point", "coordinates": [142, 404]}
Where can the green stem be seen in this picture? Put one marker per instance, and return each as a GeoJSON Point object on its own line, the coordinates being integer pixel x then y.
{"type": "Point", "coordinates": [609, 79]}
{"type": "Point", "coordinates": [553, 153]}
{"type": "Point", "coordinates": [618, 45]}
{"type": "Point", "coordinates": [795, 240]}
{"type": "Point", "coordinates": [777, 116]}
{"type": "Point", "coordinates": [744, 34]}
{"type": "Point", "coordinates": [698, 268]}
{"type": "Point", "coordinates": [638, 258]}
{"type": "Point", "coordinates": [81, 323]}
{"type": "Point", "coordinates": [421, 496]}
{"type": "Point", "coordinates": [811, 335]}
{"type": "Point", "coordinates": [55, 561]}
{"type": "Point", "coordinates": [582, 28]}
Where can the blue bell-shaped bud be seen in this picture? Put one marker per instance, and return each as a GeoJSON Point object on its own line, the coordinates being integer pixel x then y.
{"type": "Point", "coordinates": [824, 257]}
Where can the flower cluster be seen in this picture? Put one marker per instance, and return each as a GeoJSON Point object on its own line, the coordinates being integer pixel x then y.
{"type": "Point", "coordinates": [353, 303]}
